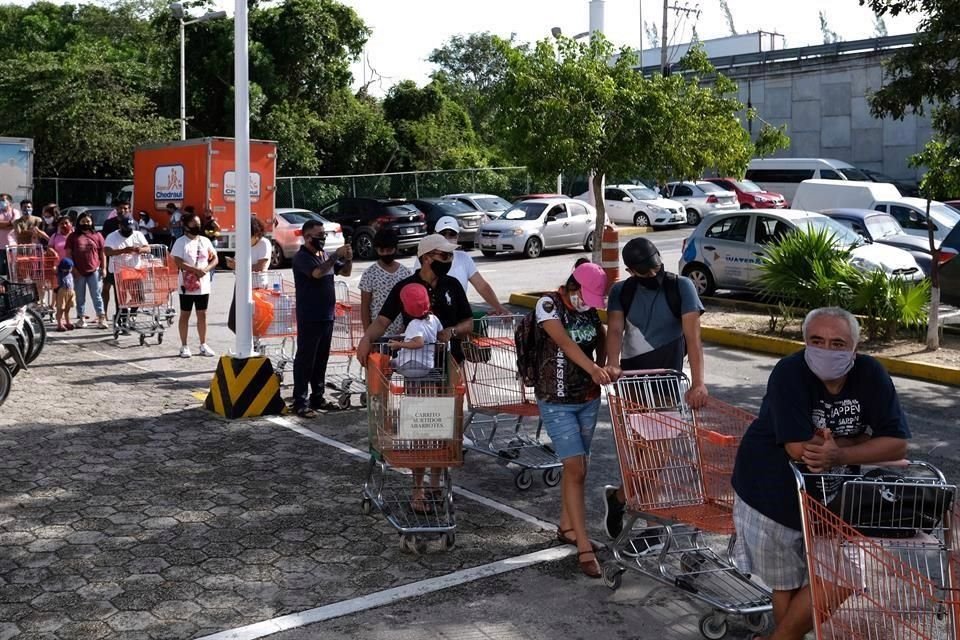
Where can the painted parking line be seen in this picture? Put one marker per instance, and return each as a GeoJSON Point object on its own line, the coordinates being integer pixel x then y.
{"type": "Point", "coordinates": [390, 596]}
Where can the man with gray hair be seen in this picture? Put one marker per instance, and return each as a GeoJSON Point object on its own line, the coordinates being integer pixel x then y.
{"type": "Point", "coordinates": [829, 409]}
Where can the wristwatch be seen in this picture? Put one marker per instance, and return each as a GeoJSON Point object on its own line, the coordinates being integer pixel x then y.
{"type": "Point", "coordinates": [453, 332]}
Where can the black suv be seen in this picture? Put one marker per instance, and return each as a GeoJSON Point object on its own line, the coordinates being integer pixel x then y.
{"type": "Point", "coordinates": [361, 218]}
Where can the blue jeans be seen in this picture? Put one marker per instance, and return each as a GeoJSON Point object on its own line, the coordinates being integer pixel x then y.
{"type": "Point", "coordinates": [92, 281]}
{"type": "Point", "coordinates": [570, 426]}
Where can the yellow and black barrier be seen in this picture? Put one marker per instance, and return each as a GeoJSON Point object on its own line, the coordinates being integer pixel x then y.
{"type": "Point", "coordinates": [245, 388]}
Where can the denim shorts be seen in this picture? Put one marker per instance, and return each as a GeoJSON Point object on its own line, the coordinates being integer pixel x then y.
{"type": "Point", "coordinates": [570, 426]}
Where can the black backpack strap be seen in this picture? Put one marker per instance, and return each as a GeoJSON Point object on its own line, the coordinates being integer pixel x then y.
{"type": "Point", "coordinates": [627, 293]}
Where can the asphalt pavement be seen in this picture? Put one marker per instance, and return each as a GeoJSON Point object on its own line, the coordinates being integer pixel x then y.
{"type": "Point", "coordinates": [126, 511]}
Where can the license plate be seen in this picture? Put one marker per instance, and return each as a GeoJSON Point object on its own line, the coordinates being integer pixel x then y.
{"type": "Point", "coordinates": [489, 246]}
{"type": "Point", "coordinates": [407, 231]}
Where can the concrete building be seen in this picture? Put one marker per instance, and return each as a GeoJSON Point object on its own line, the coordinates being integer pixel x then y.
{"type": "Point", "coordinates": [821, 94]}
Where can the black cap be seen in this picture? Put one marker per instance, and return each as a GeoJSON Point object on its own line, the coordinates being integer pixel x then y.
{"type": "Point", "coordinates": [125, 221]}
{"type": "Point", "coordinates": [641, 255]}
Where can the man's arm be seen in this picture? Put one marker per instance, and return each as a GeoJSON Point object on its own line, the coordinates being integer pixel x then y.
{"type": "Point", "coordinates": [366, 297]}
{"type": "Point", "coordinates": [614, 337]}
{"type": "Point", "coordinates": [697, 394]}
{"type": "Point", "coordinates": [487, 293]}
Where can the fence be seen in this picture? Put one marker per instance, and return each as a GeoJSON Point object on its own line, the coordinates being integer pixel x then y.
{"type": "Point", "coordinates": [312, 192]}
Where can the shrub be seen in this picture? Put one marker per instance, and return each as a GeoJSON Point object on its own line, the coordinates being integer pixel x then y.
{"type": "Point", "coordinates": [807, 269]}
{"type": "Point", "coordinates": [888, 302]}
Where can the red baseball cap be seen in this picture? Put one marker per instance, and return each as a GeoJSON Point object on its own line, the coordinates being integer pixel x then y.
{"type": "Point", "coordinates": [415, 300]}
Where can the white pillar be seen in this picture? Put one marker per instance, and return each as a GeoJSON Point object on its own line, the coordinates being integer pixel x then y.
{"type": "Point", "coordinates": [241, 121]}
{"type": "Point", "coordinates": [597, 15]}
{"type": "Point", "coordinates": [183, 80]}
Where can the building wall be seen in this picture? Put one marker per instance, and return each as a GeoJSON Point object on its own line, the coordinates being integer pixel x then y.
{"type": "Point", "coordinates": [824, 104]}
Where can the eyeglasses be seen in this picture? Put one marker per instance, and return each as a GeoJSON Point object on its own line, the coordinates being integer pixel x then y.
{"type": "Point", "coordinates": [445, 256]}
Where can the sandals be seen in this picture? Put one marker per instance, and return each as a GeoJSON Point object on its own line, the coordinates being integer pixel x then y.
{"type": "Point", "coordinates": [563, 539]}
{"type": "Point", "coordinates": [305, 412]}
{"type": "Point", "coordinates": [590, 568]}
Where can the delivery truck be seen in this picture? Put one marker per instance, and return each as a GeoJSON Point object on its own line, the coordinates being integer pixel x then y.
{"type": "Point", "coordinates": [16, 168]}
{"type": "Point", "coordinates": [202, 173]}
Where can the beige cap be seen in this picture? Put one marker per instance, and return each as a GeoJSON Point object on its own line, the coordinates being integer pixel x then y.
{"type": "Point", "coordinates": [435, 242]}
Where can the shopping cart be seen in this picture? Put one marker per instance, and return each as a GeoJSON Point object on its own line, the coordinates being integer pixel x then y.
{"type": "Point", "coordinates": [879, 551]}
{"type": "Point", "coordinates": [33, 264]}
{"type": "Point", "coordinates": [416, 425]}
{"type": "Point", "coordinates": [676, 466]}
{"type": "Point", "coordinates": [274, 320]}
{"type": "Point", "coordinates": [144, 284]}
{"type": "Point", "coordinates": [498, 403]}
{"type": "Point", "coordinates": [347, 331]}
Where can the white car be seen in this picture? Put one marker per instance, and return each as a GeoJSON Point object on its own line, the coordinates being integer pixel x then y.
{"type": "Point", "coordinates": [639, 205]}
{"type": "Point", "coordinates": [726, 250]}
{"type": "Point", "coordinates": [532, 226]}
{"type": "Point", "coordinates": [491, 206]}
{"type": "Point", "coordinates": [700, 199]}
{"type": "Point", "coordinates": [287, 234]}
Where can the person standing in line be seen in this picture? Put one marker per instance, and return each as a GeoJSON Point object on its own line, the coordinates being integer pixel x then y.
{"type": "Point", "coordinates": [8, 215]}
{"type": "Point", "coordinates": [146, 225]}
{"type": "Point", "coordinates": [195, 258]}
{"type": "Point", "coordinates": [653, 323]}
{"type": "Point", "coordinates": [50, 215]}
{"type": "Point", "coordinates": [260, 252]}
{"type": "Point", "coordinates": [119, 246]}
{"type": "Point", "coordinates": [58, 240]}
{"type": "Point", "coordinates": [110, 227]}
{"type": "Point", "coordinates": [176, 222]}
{"type": "Point", "coordinates": [380, 278]}
{"type": "Point", "coordinates": [64, 296]}
{"type": "Point", "coordinates": [85, 248]}
{"type": "Point", "coordinates": [313, 272]}
{"type": "Point", "coordinates": [464, 269]}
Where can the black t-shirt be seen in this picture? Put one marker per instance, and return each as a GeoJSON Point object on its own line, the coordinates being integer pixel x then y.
{"type": "Point", "coordinates": [316, 297]}
{"type": "Point", "coordinates": [448, 301]}
{"type": "Point", "coordinates": [795, 404]}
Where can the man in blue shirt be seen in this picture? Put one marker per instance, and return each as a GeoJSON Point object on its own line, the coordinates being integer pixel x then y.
{"type": "Point", "coordinates": [313, 271]}
{"type": "Point", "coordinates": [830, 409]}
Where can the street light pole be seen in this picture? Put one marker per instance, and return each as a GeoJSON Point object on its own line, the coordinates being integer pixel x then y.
{"type": "Point", "coordinates": [176, 8]}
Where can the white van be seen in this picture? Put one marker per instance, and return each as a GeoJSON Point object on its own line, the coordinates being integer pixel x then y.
{"type": "Point", "coordinates": [783, 175]}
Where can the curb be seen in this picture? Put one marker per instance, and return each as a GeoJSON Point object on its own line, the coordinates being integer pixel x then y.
{"type": "Point", "coordinates": [782, 347]}
{"type": "Point", "coordinates": [632, 231]}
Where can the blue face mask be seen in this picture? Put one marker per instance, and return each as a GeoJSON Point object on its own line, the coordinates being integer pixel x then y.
{"type": "Point", "coordinates": [828, 364]}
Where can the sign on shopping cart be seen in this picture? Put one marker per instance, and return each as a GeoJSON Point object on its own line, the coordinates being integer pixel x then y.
{"type": "Point", "coordinates": [427, 418]}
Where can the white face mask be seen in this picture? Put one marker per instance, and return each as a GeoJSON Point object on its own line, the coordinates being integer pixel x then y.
{"type": "Point", "coordinates": [829, 364]}
{"type": "Point", "coordinates": [577, 303]}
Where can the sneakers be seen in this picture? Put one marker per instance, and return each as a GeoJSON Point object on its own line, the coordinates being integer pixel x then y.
{"type": "Point", "coordinates": [185, 352]}
{"type": "Point", "coordinates": [102, 322]}
{"type": "Point", "coordinates": [206, 351]}
{"type": "Point", "coordinates": [81, 323]}
{"type": "Point", "coordinates": [613, 512]}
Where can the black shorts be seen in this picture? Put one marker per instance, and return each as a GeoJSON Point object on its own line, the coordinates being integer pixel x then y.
{"type": "Point", "coordinates": [188, 302]}
{"type": "Point", "coordinates": [109, 279]}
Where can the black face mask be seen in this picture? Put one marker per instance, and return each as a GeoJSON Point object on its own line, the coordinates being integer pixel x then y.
{"type": "Point", "coordinates": [193, 231]}
{"type": "Point", "coordinates": [126, 232]}
{"type": "Point", "coordinates": [86, 226]}
{"type": "Point", "coordinates": [652, 283]}
{"type": "Point", "coordinates": [440, 268]}
{"type": "Point", "coordinates": [388, 258]}
{"type": "Point", "coordinates": [318, 243]}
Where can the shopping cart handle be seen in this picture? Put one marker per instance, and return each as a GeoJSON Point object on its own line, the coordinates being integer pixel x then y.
{"type": "Point", "coordinates": [890, 463]}
{"type": "Point", "coordinates": [720, 439]}
{"type": "Point", "coordinates": [651, 372]}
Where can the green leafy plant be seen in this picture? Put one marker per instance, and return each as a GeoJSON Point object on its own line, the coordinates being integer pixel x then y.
{"type": "Point", "coordinates": [808, 269]}
{"type": "Point", "coordinates": [888, 302]}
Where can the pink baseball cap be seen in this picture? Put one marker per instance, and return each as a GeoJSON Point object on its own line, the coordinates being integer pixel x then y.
{"type": "Point", "coordinates": [593, 284]}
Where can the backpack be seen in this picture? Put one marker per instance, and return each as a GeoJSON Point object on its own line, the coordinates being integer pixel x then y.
{"type": "Point", "coordinates": [671, 289]}
{"type": "Point", "coordinates": [528, 342]}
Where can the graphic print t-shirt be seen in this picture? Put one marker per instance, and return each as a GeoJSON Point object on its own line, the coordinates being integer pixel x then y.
{"type": "Point", "coordinates": [562, 381]}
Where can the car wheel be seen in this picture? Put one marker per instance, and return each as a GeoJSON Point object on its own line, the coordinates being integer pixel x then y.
{"type": "Point", "coordinates": [588, 243]}
{"type": "Point", "coordinates": [693, 217]}
{"type": "Point", "coordinates": [534, 248]}
{"type": "Point", "coordinates": [276, 257]}
{"type": "Point", "coordinates": [641, 220]}
{"type": "Point", "coordinates": [488, 254]}
{"type": "Point", "coordinates": [363, 246]}
{"type": "Point", "coordinates": [702, 279]}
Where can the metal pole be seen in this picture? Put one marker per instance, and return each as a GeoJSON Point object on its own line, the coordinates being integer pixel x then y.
{"type": "Point", "coordinates": [241, 120]}
{"type": "Point", "coordinates": [416, 185]}
{"type": "Point", "coordinates": [56, 190]}
{"type": "Point", "coordinates": [183, 80]}
{"type": "Point", "coordinates": [293, 204]}
{"type": "Point", "coordinates": [640, 51]}
{"type": "Point", "coordinates": [663, 39]}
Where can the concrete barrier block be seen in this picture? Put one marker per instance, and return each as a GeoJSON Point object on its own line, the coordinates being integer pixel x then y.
{"type": "Point", "coordinates": [867, 146]}
{"type": "Point", "coordinates": [778, 104]}
{"type": "Point", "coordinates": [862, 118]}
{"type": "Point", "coordinates": [835, 131]}
{"type": "Point", "coordinates": [835, 99]}
{"type": "Point", "coordinates": [806, 115]}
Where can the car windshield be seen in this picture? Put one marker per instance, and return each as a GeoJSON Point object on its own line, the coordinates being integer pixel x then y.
{"type": "Point", "coordinates": [879, 177]}
{"type": "Point", "coordinates": [882, 226]}
{"type": "Point", "coordinates": [402, 210]}
{"type": "Point", "coordinates": [709, 187]}
{"type": "Point", "coordinates": [748, 186]}
{"type": "Point", "coordinates": [492, 204]}
{"type": "Point", "coordinates": [453, 206]}
{"type": "Point", "coordinates": [524, 211]}
{"type": "Point", "coordinates": [853, 174]}
{"type": "Point", "coordinates": [299, 217]}
{"type": "Point", "coordinates": [644, 194]}
{"type": "Point", "coordinates": [99, 215]}
{"type": "Point", "coordinates": [944, 215]}
{"type": "Point", "coordinates": [844, 236]}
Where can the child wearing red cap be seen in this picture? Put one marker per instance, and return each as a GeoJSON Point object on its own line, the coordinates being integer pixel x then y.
{"type": "Point", "coordinates": [417, 357]}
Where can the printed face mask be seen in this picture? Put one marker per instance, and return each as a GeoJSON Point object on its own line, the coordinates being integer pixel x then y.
{"type": "Point", "coordinates": [577, 303]}
{"type": "Point", "coordinates": [828, 364]}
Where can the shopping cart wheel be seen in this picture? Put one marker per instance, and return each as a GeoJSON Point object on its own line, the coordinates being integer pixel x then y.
{"type": "Point", "coordinates": [366, 505]}
{"type": "Point", "coordinates": [412, 544]}
{"type": "Point", "coordinates": [116, 334]}
{"type": "Point", "coordinates": [363, 398]}
{"type": "Point", "coordinates": [713, 626]}
{"type": "Point", "coordinates": [6, 382]}
{"type": "Point", "coordinates": [143, 339]}
{"type": "Point", "coordinates": [612, 575]}
{"type": "Point", "coordinates": [343, 400]}
{"type": "Point", "coordinates": [523, 480]}
{"type": "Point", "coordinates": [449, 540]}
{"type": "Point", "coordinates": [758, 622]}
{"type": "Point", "coordinates": [160, 338]}
{"type": "Point", "coordinates": [551, 477]}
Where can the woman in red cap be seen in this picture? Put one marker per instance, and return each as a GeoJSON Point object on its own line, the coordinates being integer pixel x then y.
{"type": "Point", "coordinates": [572, 356]}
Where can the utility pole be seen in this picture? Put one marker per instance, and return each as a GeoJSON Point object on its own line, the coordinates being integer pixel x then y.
{"type": "Point", "coordinates": [663, 35]}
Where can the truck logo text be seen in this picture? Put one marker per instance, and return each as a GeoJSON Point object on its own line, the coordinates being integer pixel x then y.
{"type": "Point", "coordinates": [168, 183]}
{"type": "Point", "coordinates": [230, 186]}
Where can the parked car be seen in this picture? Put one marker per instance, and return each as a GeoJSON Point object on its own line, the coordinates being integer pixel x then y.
{"type": "Point", "coordinates": [911, 213]}
{"type": "Point", "coordinates": [489, 205]}
{"type": "Point", "coordinates": [750, 195]}
{"type": "Point", "coordinates": [532, 226]}
{"type": "Point", "coordinates": [909, 189]}
{"type": "Point", "coordinates": [537, 196]}
{"type": "Point", "coordinates": [883, 228]}
{"type": "Point", "coordinates": [287, 234]}
{"type": "Point", "coordinates": [950, 268]}
{"type": "Point", "coordinates": [783, 175]}
{"type": "Point", "coordinates": [467, 217]}
{"type": "Point", "coordinates": [361, 218]}
{"type": "Point", "coordinates": [725, 251]}
{"type": "Point", "coordinates": [701, 199]}
{"type": "Point", "coordinates": [99, 213]}
{"type": "Point", "coordinates": [638, 205]}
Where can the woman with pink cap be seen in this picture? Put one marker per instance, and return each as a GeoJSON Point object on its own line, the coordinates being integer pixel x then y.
{"type": "Point", "coordinates": [571, 353]}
